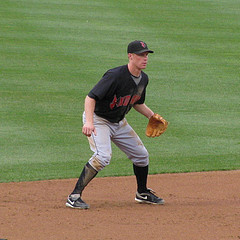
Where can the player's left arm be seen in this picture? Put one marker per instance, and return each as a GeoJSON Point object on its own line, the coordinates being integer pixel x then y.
{"type": "Point", "coordinates": [144, 110]}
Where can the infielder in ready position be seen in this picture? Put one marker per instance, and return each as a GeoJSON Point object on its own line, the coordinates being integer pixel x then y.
{"type": "Point", "coordinates": [104, 121]}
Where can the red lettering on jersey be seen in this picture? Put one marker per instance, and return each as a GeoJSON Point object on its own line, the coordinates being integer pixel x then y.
{"type": "Point", "coordinates": [114, 102]}
{"type": "Point", "coordinates": [134, 99]}
{"type": "Point", "coordinates": [126, 100]}
{"type": "Point", "coordinates": [120, 102]}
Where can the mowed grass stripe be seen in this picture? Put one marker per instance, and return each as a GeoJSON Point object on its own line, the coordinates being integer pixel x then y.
{"type": "Point", "coordinates": [53, 52]}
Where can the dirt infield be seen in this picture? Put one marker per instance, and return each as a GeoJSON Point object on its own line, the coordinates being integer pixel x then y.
{"type": "Point", "coordinates": [198, 206]}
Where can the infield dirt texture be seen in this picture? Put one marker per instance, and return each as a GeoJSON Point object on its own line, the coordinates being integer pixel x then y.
{"type": "Point", "coordinates": [199, 206]}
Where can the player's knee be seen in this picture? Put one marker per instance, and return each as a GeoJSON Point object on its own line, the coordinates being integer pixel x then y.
{"type": "Point", "coordinates": [142, 159]}
{"type": "Point", "coordinates": [99, 161]}
{"type": "Point", "coordinates": [141, 162]}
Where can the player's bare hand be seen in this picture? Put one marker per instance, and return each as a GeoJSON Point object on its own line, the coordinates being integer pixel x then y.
{"type": "Point", "coordinates": [88, 129]}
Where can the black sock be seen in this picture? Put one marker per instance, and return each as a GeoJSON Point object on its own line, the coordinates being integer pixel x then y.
{"type": "Point", "coordinates": [141, 176]}
{"type": "Point", "coordinates": [88, 173]}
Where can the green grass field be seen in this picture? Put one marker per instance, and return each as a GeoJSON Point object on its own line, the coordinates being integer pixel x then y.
{"type": "Point", "coordinates": [53, 52]}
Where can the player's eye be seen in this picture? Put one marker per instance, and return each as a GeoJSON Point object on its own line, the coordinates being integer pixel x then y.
{"type": "Point", "coordinates": [144, 54]}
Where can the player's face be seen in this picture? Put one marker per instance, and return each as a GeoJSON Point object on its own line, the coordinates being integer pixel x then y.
{"type": "Point", "coordinates": [140, 60]}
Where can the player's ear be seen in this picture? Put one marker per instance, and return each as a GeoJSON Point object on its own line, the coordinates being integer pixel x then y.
{"type": "Point", "coordinates": [130, 56]}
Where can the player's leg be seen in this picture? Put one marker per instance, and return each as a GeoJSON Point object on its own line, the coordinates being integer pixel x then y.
{"type": "Point", "coordinates": [101, 146]}
{"type": "Point", "coordinates": [74, 199]}
{"type": "Point", "coordinates": [130, 143]}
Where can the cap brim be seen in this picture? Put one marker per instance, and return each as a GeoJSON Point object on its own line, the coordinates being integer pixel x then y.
{"type": "Point", "coordinates": [144, 50]}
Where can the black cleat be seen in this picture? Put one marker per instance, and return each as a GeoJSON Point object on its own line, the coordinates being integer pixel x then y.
{"type": "Point", "coordinates": [148, 197]}
{"type": "Point", "coordinates": [76, 203]}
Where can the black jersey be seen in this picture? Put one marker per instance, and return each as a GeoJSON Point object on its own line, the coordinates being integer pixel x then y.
{"type": "Point", "coordinates": [116, 93]}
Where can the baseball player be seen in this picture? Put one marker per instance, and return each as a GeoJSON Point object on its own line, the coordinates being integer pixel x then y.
{"type": "Point", "coordinates": [106, 105]}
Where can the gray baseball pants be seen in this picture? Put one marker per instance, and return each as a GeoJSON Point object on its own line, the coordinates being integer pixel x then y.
{"type": "Point", "coordinates": [122, 135]}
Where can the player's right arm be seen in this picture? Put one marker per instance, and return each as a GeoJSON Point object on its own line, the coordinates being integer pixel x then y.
{"type": "Point", "coordinates": [88, 127]}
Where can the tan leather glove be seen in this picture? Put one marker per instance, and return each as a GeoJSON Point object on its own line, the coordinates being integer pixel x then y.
{"type": "Point", "coordinates": [156, 126]}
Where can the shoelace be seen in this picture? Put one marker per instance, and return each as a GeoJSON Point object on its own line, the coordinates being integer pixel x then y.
{"type": "Point", "coordinates": [151, 191]}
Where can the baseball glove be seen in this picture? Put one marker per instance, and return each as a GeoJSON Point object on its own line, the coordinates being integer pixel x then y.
{"type": "Point", "coordinates": [156, 126]}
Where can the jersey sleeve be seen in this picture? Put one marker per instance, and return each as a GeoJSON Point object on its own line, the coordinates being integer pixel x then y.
{"type": "Point", "coordinates": [103, 87]}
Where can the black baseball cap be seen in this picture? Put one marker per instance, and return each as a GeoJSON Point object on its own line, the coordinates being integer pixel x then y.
{"type": "Point", "coordinates": [138, 47]}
